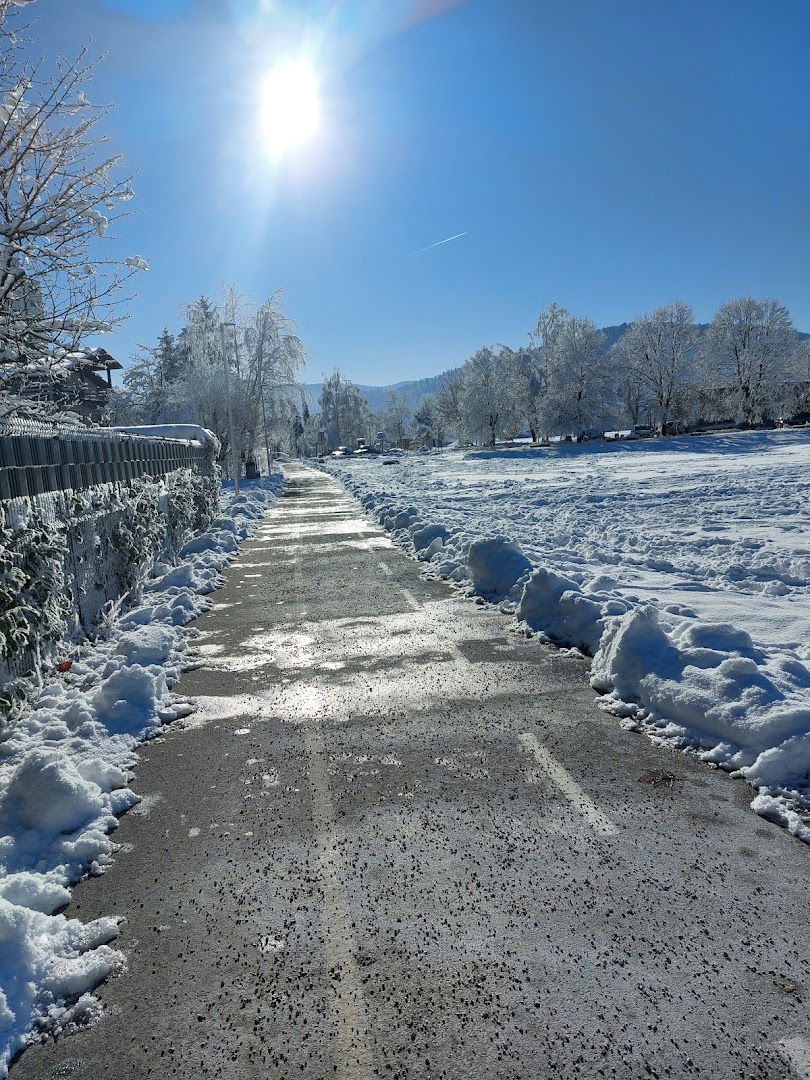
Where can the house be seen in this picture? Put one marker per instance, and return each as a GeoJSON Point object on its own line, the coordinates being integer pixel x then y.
{"type": "Point", "coordinates": [79, 382]}
{"type": "Point", "coordinates": [88, 381]}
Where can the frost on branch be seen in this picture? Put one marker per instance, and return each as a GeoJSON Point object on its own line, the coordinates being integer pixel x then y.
{"type": "Point", "coordinates": [59, 197]}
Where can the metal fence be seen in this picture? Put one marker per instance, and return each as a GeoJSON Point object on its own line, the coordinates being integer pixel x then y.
{"type": "Point", "coordinates": [36, 461]}
{"type": "Point", "coordinates": [44, 467]}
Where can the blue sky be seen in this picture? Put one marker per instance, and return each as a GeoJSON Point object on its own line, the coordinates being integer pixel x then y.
{"type": "Point", "coordinates": [612, 155]}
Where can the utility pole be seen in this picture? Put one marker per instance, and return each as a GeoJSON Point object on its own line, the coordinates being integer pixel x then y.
{"type": "Point", "coordinates": [231, 438]}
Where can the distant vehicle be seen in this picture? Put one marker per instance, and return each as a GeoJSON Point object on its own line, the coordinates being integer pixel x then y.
{"type": "Point", "coordinates": [362, 450]}
{"type": "Point", "coordinates": [641, 431]}
{"type": "Point", "coordinates": [340, 451]}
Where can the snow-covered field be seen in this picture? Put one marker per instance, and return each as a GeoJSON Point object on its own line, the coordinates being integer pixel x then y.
{"type": "Point", "coordinates": [64, 772]}
{"type": "Point", "coordinates": [681, 565]}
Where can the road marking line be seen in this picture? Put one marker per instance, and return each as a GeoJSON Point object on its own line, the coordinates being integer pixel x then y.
{"type": "Point", "coordinates": [568, 785]}
{"type": "Point", "coordinates": [410, 598]}
{"type": "Point", "coordinates": [352, 1053]}
{"type": "Point", "coordinates": [796, 1050]}
{"type": "Point", "coordinates": [352, 1059]}
{"type": "Point", "coordinates": [405, 592]}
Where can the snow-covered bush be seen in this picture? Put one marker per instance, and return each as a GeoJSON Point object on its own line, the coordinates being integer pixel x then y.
{"type": "Point", "coordinates": [35, 595]}
{"type": "Point", "coordinates": [65, 558]}
{"type": "Point", "coordinates": [140, 534]}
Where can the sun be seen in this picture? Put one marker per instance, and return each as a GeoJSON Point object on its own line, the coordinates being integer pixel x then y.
{"type": "Point", "coordinates": [289, 106]}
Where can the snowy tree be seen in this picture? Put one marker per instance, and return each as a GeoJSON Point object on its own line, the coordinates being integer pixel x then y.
{"type": "Point", "coordinates": [397, 415]}
{"type": "Point", "coordinates": [749, 352]}
{"type": "Point", "coordinates": [428, 422]}
{"type": "Point", "coordinates": [344, 411]}
{"type": "Point", "coordinates": [59, 194]}
{"type": "Point", "coordinates": [579, 377]}
{"type": "Point", "coordinates": [550, 322]}
{"type": "Point", "coordinates": [655, 356]}
{"type": "Point", "coordinates": [800, 405]}
{"type": "Point", "coordinates": [634, 400]}
{"type": "Point", "coordinates": [149, 379]}
{"type": "Point", "coordinates": [528, 383]}
{"type": "Point", "coordinates": [274, 356]}
{"type": "Point", "coordinates": [197, 394]}
{"type": "Point", "coordinates": [448, 400]}
{"type": "Point", "coordinates": [487, 406]}
{"type": "Point", "coordinates": [186, 376]}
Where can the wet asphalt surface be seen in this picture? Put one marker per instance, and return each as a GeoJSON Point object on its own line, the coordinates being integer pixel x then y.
{"type": "Point", "coordinates": [399, 840]}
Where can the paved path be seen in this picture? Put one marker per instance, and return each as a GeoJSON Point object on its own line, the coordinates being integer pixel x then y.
{"type": "Point", "coordinates": [397, 840]}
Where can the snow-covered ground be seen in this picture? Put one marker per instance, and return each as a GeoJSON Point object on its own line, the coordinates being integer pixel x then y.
{"type": "Point", "coordinates": [681, 565]}
{"type": "Point", "coordinates": [64, 772]}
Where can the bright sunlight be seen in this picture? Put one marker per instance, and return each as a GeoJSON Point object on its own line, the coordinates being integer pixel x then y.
{"type": "Point", "coordinates": [289, 106]}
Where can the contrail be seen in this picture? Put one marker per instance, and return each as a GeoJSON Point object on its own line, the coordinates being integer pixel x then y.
{"type": "Point", "coordinates": [440, 242]}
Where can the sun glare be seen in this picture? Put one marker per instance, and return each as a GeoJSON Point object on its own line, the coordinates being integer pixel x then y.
{"type": "Point", "coordinates": [289, 106]}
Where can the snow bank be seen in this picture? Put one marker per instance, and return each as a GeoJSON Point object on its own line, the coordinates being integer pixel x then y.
{"type": "Point", "coordinates": [64, 771]}
{"type": "Point", "coordinates": [48, 961]}
{"type": "Point", "coordinates": [189, 432]}
{"type": "Point", "coordinates": [681, 567]}
{"type": "Point", "coordinates": [496, 564]}
{"type": "Point", "coordinates": [707, 684]}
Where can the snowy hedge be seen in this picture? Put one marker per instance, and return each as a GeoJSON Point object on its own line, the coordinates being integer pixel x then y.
{"type": "Point", "coordinates": [68, 558]}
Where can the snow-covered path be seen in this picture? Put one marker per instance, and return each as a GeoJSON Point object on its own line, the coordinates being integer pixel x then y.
{"type": "Point", "coordinates": [399, 840]}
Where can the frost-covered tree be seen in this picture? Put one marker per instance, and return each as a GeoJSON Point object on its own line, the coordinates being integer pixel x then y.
{"type": "Point", "coordinates": [528, 384]}
{"type": "Point", "coordinates": [487, 407]}
{"type": "Point", "coordinates": [428, 422]}
{"type": "Point", "coordinates": [580, 382]}
{"type": "Point", "coordinates": [550, 322]}
{"type": "Point", "coordinates": [273, 358]}
{"type": "Point", "coordinates": [634, 401]}
{"type": "Point", "coordinates": [344, 411]}
{"type": "Point", "coordinates": [448, 400]}
{"type": "Point", "coordinates": [655, 357]}
{"type": "Point", "coordinates": [800, 405]}
{"type": "Point", "coordinates": [182, 380]}
{"type": "Point", "coordinates": [149, 379]}
{"type": "Point", "coordinates": [749, 353]}
{"type": "Point", "coordinates": [396, 415]}
{"type": "Point", "coordinates": [59, 194]}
